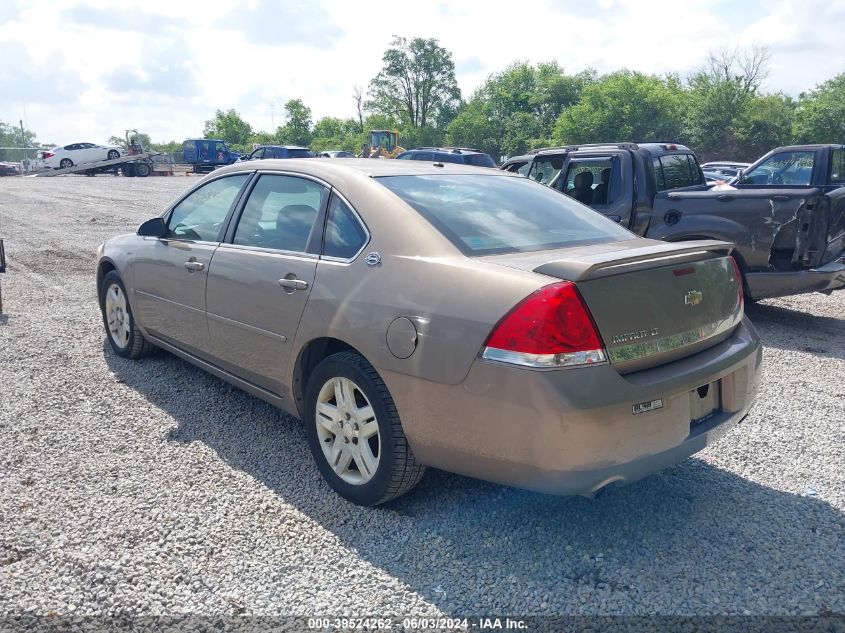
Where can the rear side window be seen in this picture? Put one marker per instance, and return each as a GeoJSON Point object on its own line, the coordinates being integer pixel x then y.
{"type": "Point", "coordinates": [449, 158]}
{"type": "Point", "coordinates": [201, 214]}
{"type": "Point", "coordinates": [280, 213]}
{"type": "Point", "coordinates": [606, 178]}
{"type": "Point", "coordinates": [486, 215]}
{"type": "Point", "coordinates": [837, 166]}
{"type": "Point", "coordinates": [299, 153]}
{"type": "Point", "coordinates": [674, 171]}
{"type": "Point", "coordinates": [479, 160]}
{"type": "Point", "coordinates": [345, 236]}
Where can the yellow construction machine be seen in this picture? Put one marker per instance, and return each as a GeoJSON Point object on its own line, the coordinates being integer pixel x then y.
{"type": "Point", "coordinates": [382, 144]}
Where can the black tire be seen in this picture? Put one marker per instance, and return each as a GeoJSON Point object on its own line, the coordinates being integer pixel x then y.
{"type": "Point", "coordinates": [128, 169]}
{"type": "Point", "coordinates": [136, 346]}
{"type": "Point", "coordinates": [397, 471]}
{"type": "Point", "coordinates": [65, 163]}
{"type": "Point", "coordinates": [142, 170]}
{"type": "Point", "coordinates": [113, 154]}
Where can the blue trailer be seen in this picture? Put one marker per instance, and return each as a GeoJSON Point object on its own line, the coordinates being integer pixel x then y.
{"type": "Point", "coordinates": [207, 153]}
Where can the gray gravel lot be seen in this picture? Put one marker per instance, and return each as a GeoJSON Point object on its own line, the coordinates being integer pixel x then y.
{"type": "Point", "coordinates": [152, 488]}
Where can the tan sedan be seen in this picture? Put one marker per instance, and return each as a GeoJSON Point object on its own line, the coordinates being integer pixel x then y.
{"type": "Point", "coordinates": [419, 314]}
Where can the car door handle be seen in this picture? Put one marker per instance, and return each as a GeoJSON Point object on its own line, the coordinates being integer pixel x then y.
{"type": "Point", "coordinates": [724, 197]}
{"type": "Point", "coordinates": [293, 284]}
{"type": "Point", "coordinates": [194, 266]}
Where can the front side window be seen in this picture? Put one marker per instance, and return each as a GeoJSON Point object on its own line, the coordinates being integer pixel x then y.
{"type": "Point", "coordinates": [545, 169]}
{"type": "Point", "coordinates": [257, 154]}
{"type": "Point", "coordinates": [837, 166]}
{"type": "Point", "coordinates": [405, 156]}
{"type": "Point", "coordinates": [424, 156]}
{"type": "Point", "coordinates": [486, 215]}
{"type": "Point", "coordinates": [200, 216]}
{"type": "Point", "coordinates": [344, 234]}
{"type": "Point", "coordinates": [783, 168]}
{"type": "Point", "coordinates": [280, 213]}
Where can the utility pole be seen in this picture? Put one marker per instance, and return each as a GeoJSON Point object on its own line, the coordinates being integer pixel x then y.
{"type": "Point", "coordinates": [25, 161]}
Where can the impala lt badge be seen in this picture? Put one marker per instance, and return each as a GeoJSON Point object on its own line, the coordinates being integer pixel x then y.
{"type": "Point", "coordinates": [634, 336]}
{"type": "Point", "coordinates": [693, 298]}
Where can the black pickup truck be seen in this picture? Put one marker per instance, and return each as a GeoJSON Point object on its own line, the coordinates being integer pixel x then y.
{"type": "Point", "coordinates": [786, 214]}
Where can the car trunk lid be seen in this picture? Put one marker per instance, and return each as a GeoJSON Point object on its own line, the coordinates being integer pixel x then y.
{"type": "Point", "coordinates": [653, 302]}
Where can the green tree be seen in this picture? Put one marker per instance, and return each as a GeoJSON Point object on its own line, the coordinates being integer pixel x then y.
{"type": "Point", "coordinates": [416, 83]}
{"type": "Point", "coordinates": [623, 106]}
{"type": "Point", "coordinates": [120, 141]}
{"type": "Point", "coordinates": [10, 136]}
{"type": "Point", "coordinates": [331, 133]}
{"type": "Point", "coordinates": [515, 110]}
{"type": "Point", "coordinates": [230, 127]}
{"type": "Point", "coordinates": [721, 93]}
{"type": "Point", "coordinates": [765, 123]}
{"type": "Point", "coordinates": [476, 127]}
{"type": "Point", "coordinates": [820, 115]}
{"type": "Point", "coordinates": [297, 129]}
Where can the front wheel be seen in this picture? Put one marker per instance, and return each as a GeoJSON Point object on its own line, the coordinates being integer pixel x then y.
{"type": "Point", "coordinates": [142, 170]}
{"type": "Point", "coordinates": [123, 333]}
{"type": "Point", "coordinates": [355, 434]}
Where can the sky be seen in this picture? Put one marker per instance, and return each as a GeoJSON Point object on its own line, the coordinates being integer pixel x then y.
{"type": "Point", "coordinates": [76, 70]}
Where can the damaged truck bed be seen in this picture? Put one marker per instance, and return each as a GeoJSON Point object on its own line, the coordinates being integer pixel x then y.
{"type": "Point", "coordinates": [786, 214]}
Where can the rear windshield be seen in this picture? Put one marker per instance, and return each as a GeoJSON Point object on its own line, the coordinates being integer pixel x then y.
{"type": "Point", "coordinates": [479, 160]}
{"type": "Point", "coordinates": [486, 215]}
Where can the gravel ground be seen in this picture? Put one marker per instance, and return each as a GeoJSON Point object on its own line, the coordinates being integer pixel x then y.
{"type": "Point", "coordinates": [153, 488]}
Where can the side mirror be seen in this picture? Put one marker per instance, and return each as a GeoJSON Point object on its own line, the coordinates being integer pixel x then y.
{"type": "Point", "coordinates": [153, 228]}
{"type": "Point", "coordinates": [738, 177]}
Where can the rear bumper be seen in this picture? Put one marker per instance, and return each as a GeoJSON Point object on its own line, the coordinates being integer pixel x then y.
{"type": "Point", "coordinates": [829, 277]}
{"type": "Point", "coordinates": [574, 431]}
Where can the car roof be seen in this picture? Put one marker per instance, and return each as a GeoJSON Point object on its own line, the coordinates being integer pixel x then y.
{"type": "Point", "coordinates": [281, 147]}
{"type": "Point", "coordinates": [447, 150]}
{"type": "Point", "coordinates": [651, 147]}
{"type": "Point", "coordinates": [372, 167]}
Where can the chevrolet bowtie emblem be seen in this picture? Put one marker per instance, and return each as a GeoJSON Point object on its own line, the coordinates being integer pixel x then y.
{"type": "Point", "coordinates": [693, 298]}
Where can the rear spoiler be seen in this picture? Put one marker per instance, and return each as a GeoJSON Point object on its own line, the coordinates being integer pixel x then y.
{"type": "Point", "coordinates": [619, 262]}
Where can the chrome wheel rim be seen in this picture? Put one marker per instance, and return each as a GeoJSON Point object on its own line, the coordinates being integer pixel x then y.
{"type": "Point", "coordinates": [117, 316]}
{"type": "Point", "coordinates": [348, 431]}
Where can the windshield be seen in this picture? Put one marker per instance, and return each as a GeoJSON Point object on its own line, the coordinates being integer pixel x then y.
{"type": "Point", "coordinates": [486, 215]}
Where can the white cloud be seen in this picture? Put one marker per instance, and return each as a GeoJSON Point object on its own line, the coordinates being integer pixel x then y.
{"type": "Point", "coordinates": [85, 70]}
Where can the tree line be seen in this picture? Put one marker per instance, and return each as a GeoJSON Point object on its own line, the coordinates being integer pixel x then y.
{"type": "Point", "coordinates": [719, 109]}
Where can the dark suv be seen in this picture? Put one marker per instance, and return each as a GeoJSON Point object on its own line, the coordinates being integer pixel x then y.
{"type": "Point", "coordinates": [462, 155]}
{"type": "Point", "coordinates": [279, 151]}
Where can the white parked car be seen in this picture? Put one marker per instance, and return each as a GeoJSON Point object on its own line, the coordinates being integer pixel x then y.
{"type": "Point", "coordinates": [79, 154]}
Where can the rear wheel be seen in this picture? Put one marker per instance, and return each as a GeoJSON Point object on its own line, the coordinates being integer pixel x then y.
{"type": "Point", "coordinates": [128, 169]}
{"type": "Point", "coordinates": [355, 433]}
{"type": "Point", "coordinates": [123, 333]}
{"type": "Point", "coordinates": [65, 163]}
{"type": "Point", "coordinates": [113, 154]}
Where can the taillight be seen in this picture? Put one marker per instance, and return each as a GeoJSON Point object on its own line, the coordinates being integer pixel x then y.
{"type": "Point", "coordinates": [550, 328]}
{"type": "Point", "coordinates": [47, 155]}
{"type": "Point", "coordinates": [738, 276]}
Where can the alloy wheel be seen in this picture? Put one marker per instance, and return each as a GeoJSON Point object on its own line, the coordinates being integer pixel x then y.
{"type": "Point", "coordinates": [348, 431]}
{"type": "Point", "coordinates": [117, 316]}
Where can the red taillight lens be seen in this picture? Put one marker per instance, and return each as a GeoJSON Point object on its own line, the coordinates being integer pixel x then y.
{"type": "Point", "coordinates": [550, 328]}
{"type": "Point", "coordinates": [738, 276]}
{"type": "Point", "coordinates": [47, 154]}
